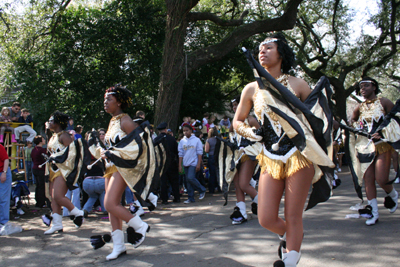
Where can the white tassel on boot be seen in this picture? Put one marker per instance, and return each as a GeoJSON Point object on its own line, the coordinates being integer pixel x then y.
{"type": "Point", "coordinates": [242, 207]}
{"type": "Point", "coordinates": [56, 225]}
{"type": "Point", "coordinates": [291, 258]}
{"type": "Point", "coordinates": [375, 215]}
{"type": "Point", "coordinates": [78, 220]}
{"type": "Point", "coordinates": [119, 248]}
{"type": "Point", "coordinates": [140, 227]}
{"type": "Point", "coordinates": [395, 197]}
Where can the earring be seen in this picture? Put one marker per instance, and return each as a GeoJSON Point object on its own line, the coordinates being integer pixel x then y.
{"type": "Point", "coordinates": [119, 105]}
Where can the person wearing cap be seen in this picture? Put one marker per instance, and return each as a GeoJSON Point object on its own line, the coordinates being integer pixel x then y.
{"type": "Point", "coordinates": [170, 175]}
{"type": "Point", "coordinates": [367, 117]}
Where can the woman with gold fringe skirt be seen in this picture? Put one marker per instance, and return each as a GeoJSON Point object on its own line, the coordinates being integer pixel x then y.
{"type": "Point", "coordinates": [371, 156]}
{"type": "Point", "coordinates": [292, 158]}
{"type": "Point", "coordinates": [130, 159]}
{"type": "Point", "coordinates": [65, 167]}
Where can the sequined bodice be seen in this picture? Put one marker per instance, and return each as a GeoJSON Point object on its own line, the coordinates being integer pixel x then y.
{"type": "Point", "coordinates": [371, 114]}
{"type": "Point", "coordinates": [262, 110]}
{"type": "Point", "coordinates": [114, 133]}
{"type": "Point", "coordinates": [54, 144]}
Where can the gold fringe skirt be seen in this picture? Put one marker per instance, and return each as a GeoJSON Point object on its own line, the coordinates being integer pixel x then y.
{"type": "Point", "coordinates": [279, 170]}
{"type": "Point", "coordinates": [110, 171]}
{"type": "Point", "coordinates": [383, 147]}
{"type": "Point", "coordinates": [244, 158]}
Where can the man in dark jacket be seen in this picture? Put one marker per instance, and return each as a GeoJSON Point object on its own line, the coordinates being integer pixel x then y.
{"type": "Point", "coordinates": [170, 175]}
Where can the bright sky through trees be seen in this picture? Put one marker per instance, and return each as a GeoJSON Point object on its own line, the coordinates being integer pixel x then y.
{"type": "Point", "coordinates": [363, 10]}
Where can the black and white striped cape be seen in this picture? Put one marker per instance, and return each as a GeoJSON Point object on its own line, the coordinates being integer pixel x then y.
{"type": "Point", "coordinates": [72, 162]}
{"type": "Point", "coordinates": [135, 159]}
{"type": "Point", "coordinates": [360, 152]}
{"type": "Point", "coordinates": [308, 124]}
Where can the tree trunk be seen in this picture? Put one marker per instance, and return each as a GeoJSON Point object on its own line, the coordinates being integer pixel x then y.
{"type": "Point", "coordinates": [174, 68]}
{"type": "Point", "coordinates": [173, 65]}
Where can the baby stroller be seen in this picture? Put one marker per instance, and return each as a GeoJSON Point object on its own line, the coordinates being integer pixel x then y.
{"type": "Point", "coordinates": [19, 192]}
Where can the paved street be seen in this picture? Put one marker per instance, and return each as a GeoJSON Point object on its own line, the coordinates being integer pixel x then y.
{"type": "Point", "coordinates": [201, 234]}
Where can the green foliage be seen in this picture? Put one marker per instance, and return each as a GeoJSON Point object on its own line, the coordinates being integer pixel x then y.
{"type": "Point", "coordinates": [90, 50]}
{"type": "Point", "coordinates": [325, 45]}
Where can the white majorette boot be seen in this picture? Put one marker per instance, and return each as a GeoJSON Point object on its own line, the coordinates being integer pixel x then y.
{"type": "Point", "coordinates": [78, 216]}
{"type": "Point", "coordinates": [140, 211]}
{"type": "Point", "coordinates": [137, 231]}
{"type": "Point", "coordinates": [56, 224]}
{"type": "Point", "coordinates": [153, 199]}
{"type": "Point", "coordinates": [391, 201]}
{"type": "Point", "coordinates": [375, 215]}
{"type": "Point", "coordinates": [239, 214]}
{"type": "Point", "coordinates": [119, 248]}
{"type": "Point", "coordinates": [291, 258]}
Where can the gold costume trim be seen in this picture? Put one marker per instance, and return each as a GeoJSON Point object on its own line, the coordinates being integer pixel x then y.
{"type": "Point", "coordinates": [279, 170]}
{"type": "Point", "coordinates": [382, 148]}
{"type": "Point", "coordinates": [114, 130]}
{"type": "Point", "coordinates": [54, 145]}
{"type": "Point", "coordinates": [284, 80]}
{"type": "Point", "coordinates": [247, 132]}
{"type": "Point", "coordinates": [110, 171]}
{"type": "Point", "coordinates": [371, 113]}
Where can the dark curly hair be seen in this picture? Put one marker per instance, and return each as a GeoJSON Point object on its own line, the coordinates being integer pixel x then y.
{"type": "Point", "coordinates": [60, 119]}
{"type": "Point", "coordinates": [284, 50]}
{"type": "Point", "coordinates": [123, 95]}
{"type": "Point", "coordinates": [373, 81]}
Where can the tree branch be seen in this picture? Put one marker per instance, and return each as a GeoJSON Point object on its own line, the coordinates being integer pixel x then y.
{"type": "Point", "coordinates": [197, 16]}
{"type": "Point", "coordinates": [4, 21]}
{"type": "Point", "coordinates": [215, 52]}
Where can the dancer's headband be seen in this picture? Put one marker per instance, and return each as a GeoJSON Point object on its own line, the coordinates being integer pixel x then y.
{"type": "Point", "coordinates": [366, 81]}
{"type": "Point", "coordinates": [268, 41]}
{"type": "Point", "coordinates": [111, 93]}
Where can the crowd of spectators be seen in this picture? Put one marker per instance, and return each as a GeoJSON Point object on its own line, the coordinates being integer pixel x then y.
{"type": "Point", "coordinates": [190, 161]}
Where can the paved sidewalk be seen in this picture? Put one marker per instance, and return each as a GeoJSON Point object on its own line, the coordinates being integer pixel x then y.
{"type": "Point", "coordinates": [201, 234]}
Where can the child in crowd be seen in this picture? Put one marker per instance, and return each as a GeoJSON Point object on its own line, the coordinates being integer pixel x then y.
{"type": "Point", "coordinates": [70, 124]}
{"type": "Point", "coordinates": [206, 126]}
{"type": "Point", "coordinates": [205, 119]}
{"type": "Point", "coordinates": [185, 121]}
{"type": "Point", "coordinates": [28, 162]}
{"type": "Point", "coordinates": [5, 117]}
